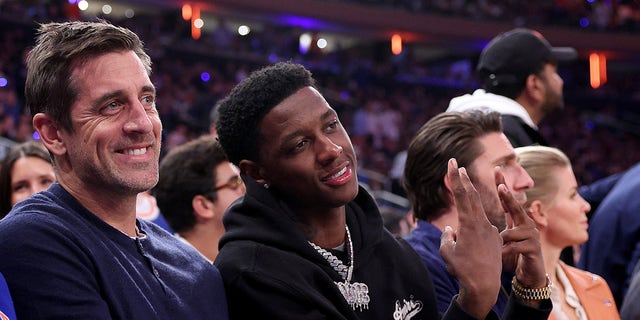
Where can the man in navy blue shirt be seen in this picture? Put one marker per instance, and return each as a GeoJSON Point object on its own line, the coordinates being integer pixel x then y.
{"type": "Point", "coordinates": [77, 250]}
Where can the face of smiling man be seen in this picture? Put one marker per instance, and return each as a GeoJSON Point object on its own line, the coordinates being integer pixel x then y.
{"type": "Point", "coordinates": [306, 153]}
{"type": "Point", "coordinates": [115, 142]}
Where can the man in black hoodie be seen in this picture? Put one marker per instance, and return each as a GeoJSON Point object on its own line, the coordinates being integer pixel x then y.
{"type": "Point", "coordinates": [306, 242]}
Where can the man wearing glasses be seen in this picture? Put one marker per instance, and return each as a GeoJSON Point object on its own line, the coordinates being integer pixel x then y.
{"type": "Point", "coordinates": [197, 183]}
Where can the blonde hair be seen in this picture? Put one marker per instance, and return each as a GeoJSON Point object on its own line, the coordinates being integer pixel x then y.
{"type": "Point", "coordinates": [539, 162]}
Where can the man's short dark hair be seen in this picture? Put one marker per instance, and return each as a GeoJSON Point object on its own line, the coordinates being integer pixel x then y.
{"type": "Point", "coordinates": [62, 46]}
{"type": "Point", "coordinates": [241, 112]}
{"type": "Point", "coordinates": [185, 172]}
{"type": "Point", "coordinates": [447, 135]}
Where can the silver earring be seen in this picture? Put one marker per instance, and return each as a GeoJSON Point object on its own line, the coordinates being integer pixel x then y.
{"type": "Point", "coordinates": [266, 186]}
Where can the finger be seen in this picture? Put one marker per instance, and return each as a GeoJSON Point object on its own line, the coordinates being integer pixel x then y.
{"type": "Point", "coordinates": [448, 238]}
{"type": "Point", "coordinates": [453, 175]}
{"type": "Point", "coordinates": [509, 218]}
{"type": "Point", "coordinates": [447, 246]}
{"type": "Point", "coordinates": [466, 181]}
{"type": "Point", "coordinates": [522, 233]}
{"type": "Point", "coordinates": [509, 221]}
{"type": "Point", "coordinates": [500, 180]}
{"type": "Point", "coordinates": [497, 171]}
{"type": "Point", "coordinates": [474, 210]}
{"type": "Point", "coordinates": [512, 207]}
{"type": "Point", "coordinates": [459, 192]}
{"type": "Point", "coordinates": [524, 247]}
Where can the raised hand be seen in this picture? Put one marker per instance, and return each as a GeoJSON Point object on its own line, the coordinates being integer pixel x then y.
{"type": "Point", "coordinates": [521, 241]}
{"type": "Point", "coordinates": [472, 253]}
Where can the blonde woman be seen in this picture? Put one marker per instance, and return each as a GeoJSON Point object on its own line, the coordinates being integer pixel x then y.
{"type": "Point", "coordinates": [560, 216]}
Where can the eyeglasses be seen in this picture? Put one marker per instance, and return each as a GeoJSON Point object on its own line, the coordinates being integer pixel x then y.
{"type": "Point", "coordinates": [234, 183]}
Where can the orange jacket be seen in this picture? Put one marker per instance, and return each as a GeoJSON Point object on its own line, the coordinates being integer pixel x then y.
{"type": "Point", "coordinates": [593, 292]}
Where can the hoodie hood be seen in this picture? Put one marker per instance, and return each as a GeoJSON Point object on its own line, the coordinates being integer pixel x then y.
{"type": "Point", "coordinates": [483, 100]}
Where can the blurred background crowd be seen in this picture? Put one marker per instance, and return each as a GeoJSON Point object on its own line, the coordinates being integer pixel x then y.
{"type": "Point", "coordinates": [622, 16]}
{"type": "Point", "coordinates": [382, 98]}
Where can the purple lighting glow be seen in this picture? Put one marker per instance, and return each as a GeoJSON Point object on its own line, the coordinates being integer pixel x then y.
{"type": "Point", "coordinates": [584, 22]}
{"type": "Point", "coordinates": [589, 125]}
{"type": "Point", "coordinates": [303, 22]}
{"type": "Point", "coordinates": [205, 76]}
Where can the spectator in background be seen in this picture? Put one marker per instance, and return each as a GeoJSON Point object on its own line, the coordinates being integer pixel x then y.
{"type": "Point", "coordinates": [613, 248]}
{"type": "Point", "coordinates": [25, 170]}
{"type": "Point", "coordinates": [518, 71]}
{"type": "Point", "coordinates": [306, 242]}
{"type": "Point", "coordinates": [476, 141]}
{"type": "Point", "coordinates": [12, 109]}
{"type": "Point", "coordinates": [77, 250]}
{"type": "Point", "coordinates": [396, 171]}
{"type": "Point", "coordinates": [560, 214]}
{"type": "Point", "coordinates": [197, 183]}
{"type": "Point", "coordinates": [7, 126]}
{"type": "Point", "coordinates": [519, 77]}
{"type": "Point", "coordinates": [24, 129]}
{"type": "Point", "coordinates": [181, 134]}
{"type": "Point", "coordinates": [400, 223]}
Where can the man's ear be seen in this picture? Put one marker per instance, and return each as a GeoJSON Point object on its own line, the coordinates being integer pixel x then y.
{"type": "Point", "coordinates": [447, 183]}
{"type": "Point", "coordinates": [253, 170]}
{"type": "Point", "coordinates": [203, 208]}
{"type": "Point", "coordinates": [449, 190]}
{"type": "Point", "coordinates": [535, 87]}
{"type": "Point", "coordinates": [49, 134]}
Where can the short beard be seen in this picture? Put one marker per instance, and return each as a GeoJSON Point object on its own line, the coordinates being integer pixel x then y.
{"type": "Point", "coordinates": [552, 102]}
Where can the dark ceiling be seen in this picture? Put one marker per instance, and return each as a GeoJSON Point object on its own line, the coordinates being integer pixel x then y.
{"type": "Point", "coordinates": [427, 29]}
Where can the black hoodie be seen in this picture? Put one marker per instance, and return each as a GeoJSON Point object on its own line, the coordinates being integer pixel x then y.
{"type": "Point", "coordinates": [270, 271]}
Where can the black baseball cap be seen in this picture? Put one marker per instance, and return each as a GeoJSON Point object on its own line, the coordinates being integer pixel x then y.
{"type": "Point", "coordinates": [513, 55]}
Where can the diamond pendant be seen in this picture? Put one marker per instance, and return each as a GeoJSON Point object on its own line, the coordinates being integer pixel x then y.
{"type": "Point", "coordinates": [356, 294]}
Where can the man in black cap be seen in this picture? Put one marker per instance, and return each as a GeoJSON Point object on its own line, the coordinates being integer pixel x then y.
{"type": "Point", "coordinates": [518, 73]}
